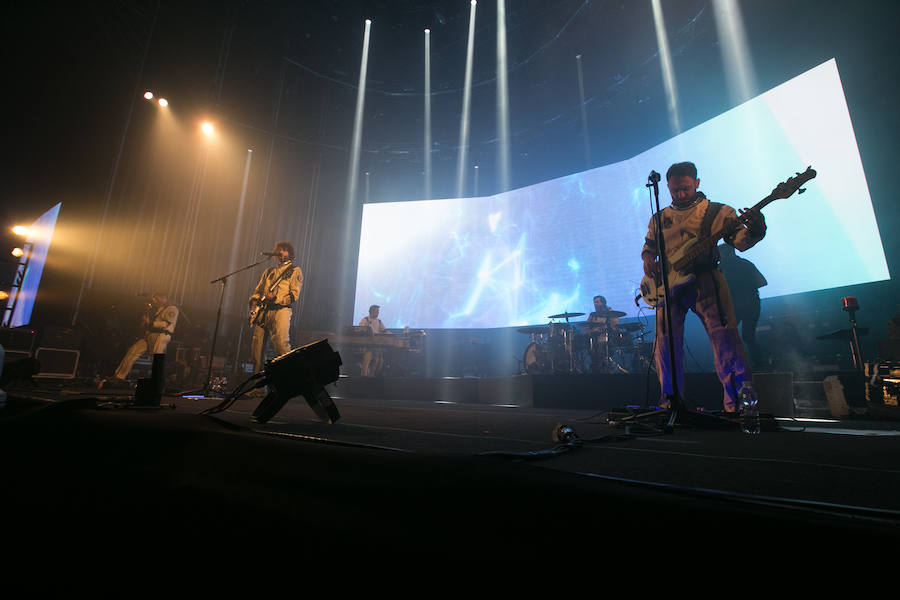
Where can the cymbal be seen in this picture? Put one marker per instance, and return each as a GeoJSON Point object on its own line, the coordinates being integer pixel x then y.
{"type": "Point", "coordinates": [842, 334]}
{"type": "Point", "coordinates": [608, 313]}
{"type": "Point", "coordinates": [534, 329]}
{"type": "Point", "coordinates": [566, 315]}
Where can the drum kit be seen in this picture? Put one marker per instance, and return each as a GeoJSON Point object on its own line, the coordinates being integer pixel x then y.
{"type": "Point", "coordinates": [563, 346]}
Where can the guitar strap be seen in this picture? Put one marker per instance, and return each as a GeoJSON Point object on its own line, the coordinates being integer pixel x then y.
{"type": "Point", "coordinates": [284, 275]}
{"type": "Point", "coordinates": [712, 211]}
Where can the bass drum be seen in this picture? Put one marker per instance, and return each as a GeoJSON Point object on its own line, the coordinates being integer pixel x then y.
{"type": "Point", "coordinates": [536, 359]}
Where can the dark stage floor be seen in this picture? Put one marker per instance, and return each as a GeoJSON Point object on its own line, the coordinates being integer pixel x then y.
{"type": "Point", "coordinates": [423, 479]}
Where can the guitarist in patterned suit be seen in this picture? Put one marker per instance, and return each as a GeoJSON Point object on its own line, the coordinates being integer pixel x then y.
{"type": "Point", "coordinates": [270, 304]}
{"type": "Point", "coordinates": [691, 216]}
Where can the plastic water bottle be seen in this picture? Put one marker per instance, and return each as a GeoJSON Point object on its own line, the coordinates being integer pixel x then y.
{"type": "Point", "coordinates": [749, 409]}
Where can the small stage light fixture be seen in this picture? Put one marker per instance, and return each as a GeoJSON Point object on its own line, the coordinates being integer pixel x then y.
{"type": "Point", "coordinates": [17, 252]}
{"type": "Point", "coordinates": [148, 95]}
{"type": "Point", "coordinates": [163, 102]}
{"type": "Point", "coordinates": [20, 230]}
{"type": "Point", "coordinates": [304, 371]}
{"type": "Point", "coordinates": [207, 128]}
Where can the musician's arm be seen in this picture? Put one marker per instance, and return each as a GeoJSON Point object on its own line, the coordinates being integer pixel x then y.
{"type": "Point", "coordinates": [650, 250]}
{"type": "Point", "coordinates": [748, 235]}
{"type": "Point", "coordinates": [167, 319]}
{"type": "Point", "coordinates": [296, 283]}
{"type": "Point", "coordinates": [260, 291]}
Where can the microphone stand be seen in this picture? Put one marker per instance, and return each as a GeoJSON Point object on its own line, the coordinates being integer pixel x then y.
{"type": "Point", "coordinates": [212, 351]}
{"type": "Point", "coordinates": [675, 400]}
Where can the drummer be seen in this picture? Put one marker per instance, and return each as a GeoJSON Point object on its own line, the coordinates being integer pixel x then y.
{"type": "Point", "coordinates": [600, 320]}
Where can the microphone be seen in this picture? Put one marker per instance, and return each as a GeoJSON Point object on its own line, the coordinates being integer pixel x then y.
{"type": "Point", "coordinates": [270, 254]}
{"type": "Point", "coordinates": [654, 177]}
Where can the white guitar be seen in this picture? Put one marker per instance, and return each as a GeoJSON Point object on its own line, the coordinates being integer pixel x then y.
{"type": "Point", "coordinates": [680, 263]}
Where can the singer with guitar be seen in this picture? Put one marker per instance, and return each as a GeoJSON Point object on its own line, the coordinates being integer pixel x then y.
{"type": "Point", "coordinates": [689, 218]}
{"type": "Point", "coordinates": [270, 304]}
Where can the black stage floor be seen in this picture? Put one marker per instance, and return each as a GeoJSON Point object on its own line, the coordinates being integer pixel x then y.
{"type": "Point", "coordinates": [425, 479]}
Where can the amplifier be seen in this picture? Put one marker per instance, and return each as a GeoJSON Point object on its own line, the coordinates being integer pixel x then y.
{"type": "Point", "coordinates": [57, 362]}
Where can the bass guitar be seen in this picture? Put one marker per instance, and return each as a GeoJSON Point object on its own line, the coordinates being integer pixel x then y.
{"type": "Point", "coordinates": [680, 263]}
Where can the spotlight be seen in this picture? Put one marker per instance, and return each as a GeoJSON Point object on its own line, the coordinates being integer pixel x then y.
{"type": "Point", "coordinates": [17, 252]}
{"type": "Point", "coordinates": [207, 128]}
{"type": "Point", "coordinates": [305, 372]}
{"type": "Point", "coordinates": [163, 102]}
{"type": "Point", "coordinates": [20, 230]}
{"type": "Point", "coordinates": [427, 31]}
{"type": "Point", "coordinates": [4, 295]}
{"type": "Point", "coordinates": [148, 95]}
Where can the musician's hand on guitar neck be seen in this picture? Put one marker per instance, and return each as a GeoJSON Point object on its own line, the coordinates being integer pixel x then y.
{"type": "Point", "coordinates": [755, 221]}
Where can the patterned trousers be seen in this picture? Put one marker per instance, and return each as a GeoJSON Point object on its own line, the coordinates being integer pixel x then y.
{"type": "Point", "coordinates": [708, 297]}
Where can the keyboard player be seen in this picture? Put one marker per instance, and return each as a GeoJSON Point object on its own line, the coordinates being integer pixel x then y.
{"type": "Point", "coordinates": [373, 357]}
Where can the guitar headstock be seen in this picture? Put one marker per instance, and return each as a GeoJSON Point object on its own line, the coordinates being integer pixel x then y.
{"type": "Point", "coordinates": [787, 188]}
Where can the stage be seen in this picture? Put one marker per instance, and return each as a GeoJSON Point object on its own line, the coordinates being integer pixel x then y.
{"type": "Point", "coordinates": [433, 478]}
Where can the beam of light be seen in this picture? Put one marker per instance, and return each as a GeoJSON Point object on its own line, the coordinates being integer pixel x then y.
{"type": "Point", "coordinates": [232, 262]}
{"type": "Point", "coordinates": [148, 95]}
{"type": "Point", "coordinates": [739, 71]}
{"type": "Point", "coordinates": [427, 114]}
{"type": "Point", "coordinates": [163, 102]}
{"type": "Point", "coordinates": [502, 99]}
{"type": "Point", "coordinates": [352, 202]}
{"type": "Point", "coordinates": [584, 127]}
{"type": "Point", "coordinates": [665, 60]}
{"type": "Point", "coordinates": [475, 185]}
{"type": "Point", "coordinates": [467, 101]}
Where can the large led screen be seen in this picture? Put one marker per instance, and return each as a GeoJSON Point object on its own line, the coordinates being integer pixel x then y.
{"type": "Point", "coordinates": [518, 257]}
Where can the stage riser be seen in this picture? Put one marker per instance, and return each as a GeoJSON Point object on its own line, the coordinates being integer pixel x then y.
{"type": "Point", "coordinates": [586, 392]}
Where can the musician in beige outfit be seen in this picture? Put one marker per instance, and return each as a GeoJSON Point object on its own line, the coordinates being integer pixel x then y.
{"type": "Point", "coordinates": [159, 325]}
{"type": "Point", "coordinates": [277, 290]}
{"type": "Point", "coordinates": [691, 215]}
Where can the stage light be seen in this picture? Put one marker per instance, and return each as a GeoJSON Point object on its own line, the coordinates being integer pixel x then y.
{"type": "Point", "coordinates": [467, 101]}
{"type": "Point", "coordinates": [148, 95]}
{"type": "Point", "coordinates": [665, 59]}
{"type": "Point", "coordinates": [427, 145]}
{"type": "Point", "coordinates": [304, 371]}
{"type": "Point", "coordinates": [4, 295]}
{"type": "Point", "coordinates": [207, 128]}
{"type": "Point", "coordinates": [368, 21]}
{"type": "Point", "coordinates": [503, 158]}
{"type": "Point", "coordinates": [163, 102]}
{"type": "Point", "coordinates": [17, 252]}
{"type": "Point", "coordinates": [20, 230]}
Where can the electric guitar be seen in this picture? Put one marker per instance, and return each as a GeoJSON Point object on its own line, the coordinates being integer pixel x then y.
{"type": "Point", "coordinates": [258, 310]}
{"type": "Point", "coordinates": [680, 263]}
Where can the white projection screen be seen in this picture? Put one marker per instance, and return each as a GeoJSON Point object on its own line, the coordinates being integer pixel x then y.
{"type": "Point", "coordinates": [515, 258]}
